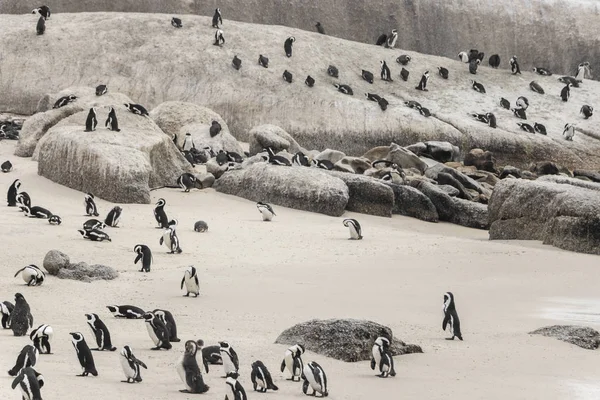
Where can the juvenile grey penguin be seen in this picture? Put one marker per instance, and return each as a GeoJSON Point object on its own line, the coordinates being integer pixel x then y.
{"type": "Point", "coordinates": [32, 275]}
{"type": "Point", "coordinates": [219, 38]}
{"type": "Point", "coordinates": [41, 338]}
{"type": "Point", "coordinates": [261, 378]}
{"type": "Point", "coordinates": [13, 191]}
{"type": "Point", "coordinates": [20, 317]}
{"type": "Point", "coordinates": [26, 358]}
{"type": "Point", "coordinates": [451, 317]}
{"type": "Point", "coordinates": [111, 122]}
{"type": "Point", "coordinates": [186, 181]}
{"type": "Point", "coordinates": [40, 28]}
{"type": "Point", "coordinates": [231, 362]}
{"type": "Point", "coordinates": [30, 383]}
{"type": "Point", "coordinates": [354, 227]}
{"type": "Point", "coordinates": [236, 62]}
{"type": "Point", "coordinates": [314, 376]}
{"type": "Point", "coordinates": [91, 122]}
{"type": "Point", "coordinates": [188, 368]}
{"type": "Point", "coordinates": [200, 226]}
{"type": "Point", "coordinates": [215, 128]}
{"type": "Point", "coordinates": [217, 18]}
{"type": "Point", "coordinates": [190, 280]}
{"type": "Point", "coordinates": [587, 111]}
{"type": "Point", "coordinates": [176, 22]}
{"type": "Point", "coordinates": [423, 82]}
{"type": "Point", "coordinates": [235, 390]}
{"type": "Point", "coordinates": [266, 210]}
{"type": "Point", "coordinates": [292, 360]}
{"type": "Point", "coordinates": [287, 46]}
{"type": "Point", "coordinates": [144, 254]}
{"type": "Point", "coordinates": [167, 318]}
{"type": "Point", "coordinates": [263, 61]}
{"type": "Point", "coordinates": [101, 333]}
{"type": "Point", "coordinates": [382, 358]}
{"type": "Point", "coordinates": [386, 75]}
{"type": "Point", "coordinates": [113, 217]}
{"type": "Point", "coordinates": [90, 205]}
{"type": "Point", "coordinates": [158, 332]}
{"type": "Point", "coordinates": [131, 365]}
{"type": "Point", "coordinates": [84, 355]}
{"type": "Point", "coordinates": [6, 166]}
{"type": "Point", "coordinates": [170, 239]}
{"type": "Point", "coordinates": [6, 308]}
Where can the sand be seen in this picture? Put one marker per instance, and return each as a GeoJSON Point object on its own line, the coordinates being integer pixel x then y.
{"type": "Point", "coordinates": [258, 279]}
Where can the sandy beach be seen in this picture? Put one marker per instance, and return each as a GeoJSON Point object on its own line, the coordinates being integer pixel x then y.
{"type": "Point", "coordinates": [258, 279]}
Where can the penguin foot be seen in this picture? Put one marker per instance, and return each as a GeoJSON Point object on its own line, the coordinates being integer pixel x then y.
{"type": "Point", "coordinates": [155, 348]}
{"type": "Point", "coordinates": [185, 391]}
{"type": "Point", "coordinates": [460, 338]}
{"type": "Point", "coordinates": [173, 340]}
{"type": "Point", "coordinates": [98, 349]}
{"type": "Point", "coordinates": [450, 338]}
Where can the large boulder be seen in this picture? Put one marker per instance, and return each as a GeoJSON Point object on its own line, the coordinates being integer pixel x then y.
{"type": "Point", "coordinates": [367, 195]}
{"type": "Point", "coordinates": [120, 167]}
{"type": "Point", "coordinates": [441, 151]}
{"type": "Point", "coordinates": [81, 271]}
{"type": "Point", "coordinates": [404, 158]}
{"type": "Point", "coordinates": [582, 336]}
{"type": "Point", "coordinates": [263, 136]}
{"type": "Point", "coordinates": [410, 202]}
{"type": "Point", "coordinates": [483, 160]}
{"type": "Point", "coordinates": [308, 189]}
{"type": "Point", "coordinates": [55, 260]}
{"type": "Point", "coordinates": [593, 176]}
{"type": "Point", "coordinates": [348, 340]}
{"type": "Point", "coordinates": [355, 165]}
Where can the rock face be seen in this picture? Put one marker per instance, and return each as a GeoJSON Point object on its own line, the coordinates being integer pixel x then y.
{"type": "Point", "coordinates": [348, 340]}
{"type": "Point", "coordinates": [367, 195]}
{"type": "Point", "coordinates": [483, 160]}
{"type": "Point", "coordinates": [55, 260]}
{"type": "Point", "coordinates": [397, 154]}
{"type": "Point", "coordinates": [582, 336]}
{"type": "Point", "coordinates": [87, 273]}
{"type": "Point", "coordinates": [563, 212]}
{"type": "Point", "coordinates": [296, 187]}
{"type": "Point", "coordinates": [410, 202]}
{"type": "Point", "coordinates": [272, 136]}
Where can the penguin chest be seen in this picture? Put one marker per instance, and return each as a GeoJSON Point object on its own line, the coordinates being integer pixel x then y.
{"type": "Point", "coordinates": [228, 363]}
{"type": "Point", "coordinates": [152, 334]}
{"type": "Point", "coordinates": [376, 355]}
{"type": "Point", "coordinates": [181, 372]}
{"type": "Point", "coordinates": [28, 274]}
{"type": "Point", "coordinates": [310, 377]}
{"type": "Point", "coordinates": [289, 362]}
{"type": "Point", "coordinates": [129, 371]}
{"type": "Point", "coordinates": [353, 232]}
{"type": "Point", "coordinates": [266, 214]}
{"type": "Point", "coordinates": [167, 239]}
{"type": "Point", "coordinates": [191, 286]}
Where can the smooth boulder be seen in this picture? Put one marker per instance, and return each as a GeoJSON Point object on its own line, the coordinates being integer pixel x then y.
{"type": "Point", "coordinates": [582, 336]}
{"type": "Point", "coordinates": [55, 260]}
{"type": "Point", "coordinates": [367, 195]}
{"type": "Point", "coordinates": [410, 202]}
{"type": "Point", "coordinates": [397, 154]}
{"type": "Point", "coordinates": [263, 136]}
{"type": "Point", "coordinates": [480, 159]}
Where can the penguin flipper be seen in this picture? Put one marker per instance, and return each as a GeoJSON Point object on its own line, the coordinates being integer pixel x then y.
{"type": "Point", "coordinates": [373, 363]}
{"type": "Point", "coordinates": [160, 242]}
{"type": "Point", "coordinates": [235, 359]}
{"type": "Point", "coordinates": [182, 280]}
{"type": "Point", "coordinates": [445, 321]}
{"type": "Point", "coordinates": [17, 380]}
{"type": "Point", "coordinates": [283, 365]}
{"type": "Point", "coordinates": [138, 258]}
{"type": "Point", "coordinates": [21, 270]}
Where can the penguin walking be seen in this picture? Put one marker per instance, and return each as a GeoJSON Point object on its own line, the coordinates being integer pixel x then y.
{"type": "Point", "coordinates": [176, 22]}
{"type": "Point", "coordinates": [320, 28]}
{"type": "Point", "coordinates": [423, 82]}
{"type": "Point", "coordinates": [91, 121]}
{"type": "Point", "coordinates": [382, 358]}
{"type": "Point", "coordinates": [84, 355]}
{"type": "Point", "coordinates": [167, 318]}
{"type": "Point", "coordinates": [235, 390]}
{"type": "Point", "coordinates": [41, 338]}
{"type": "Point", "coordinates": [190, 280]}
{"type": "Point", "coordinates": [287, 46]}
{"type": "Point", "coordinates": [266, 210]}
{"type": "Point", "coordinates": [385, 72]}
{"type": "Point", "coordinates": [231, 363]}
{"type": "Point", "coordinates": [111, 122]}
{"type": "Point", "coordinates": [30, 382]}
{"type": "Point", "coordinates": [587, 111]}
{"type": "Point", "coordinates": [13, 191]}
{"type": "Point", "coordinates": [131, 365]}
{"type": "Point", "coordinates": [261, 378]}
{"type": "Point", "coordinates": [101, 90]}
{"type": "Point", "coordinates": [20, 317]}
{"type": "Point", "coordinates": [451, 317]}
{"type": "Point", "coordinates": [354, 227]}
{"type": "Point", "coordinates": [158, 332]}
{"type": "Point", "coordinates": [219, 38]}
{"type": "Point", "coordinates": [292, 360]}
{"type": "Point", "coordinates": [314, 376]}
{"type": "Point", "coordinates": [101, 333]}
{"type": "Point", "coordinates": [144, 254]}
{"type": "Point", "coordinates": [40, 28]}
{"type": "Point", "coordinates": [514, 65]}
{"type": "Point", "coordinates": [160, 215]}
{"type": "Point", "coordinates": [126, 311]}
{"type": "Point", "coordinates": [217, 18]}
{"type": "Point", "coordinates": [188, 368]}
{"type": "Point", "coordinates": [565, 93]}
{"type": "Point", "coordinates": [186, 181]}
{"type": "Point", "coordinates": [6, 308]}
{"type": "Point", "coordinates": [90, 205]}
{"type": "Point", "coordinates": [263, 61]}
{"type": "Point", "coordinates": [236, 62]}
{"type": "Point", "coordinates": [6, 166]}
{"type": "Point", "coordinates": [26, 358]}
{"type": "Point", "coordinates": [136, 109]}
{"type": "Point", "coordinates": [170, 239]}
{"type": "Point", "coordinates": [568, 133]}
{"type": "Point", "coordinates": [215, 128]}
{"type": "Point", "coordinates": [32, 275]}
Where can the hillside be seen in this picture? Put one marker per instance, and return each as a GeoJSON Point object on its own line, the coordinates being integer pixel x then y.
{"type": "Point", "coordinates": [143, 56]}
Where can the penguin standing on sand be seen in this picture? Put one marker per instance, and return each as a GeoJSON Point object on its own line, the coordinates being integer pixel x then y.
{"type": "Point", "coordinates": [236, 63]}
{"type": "Point", "coordinates": [190, 279]}
{"type": "Point", "coordinates": [126, 311]}
{"type": "Point", "coordinates": [565, 93]}
{"type": "Point", "coordinates": [354, 227]}
{"type": "Point", "coordinates": [101, 333]}
{"type": "Point", "coordinates": [40, 28]}
{"type": "Point", "coordinates": [111, 122]}
{"type": "Point", "coordinates": [158, 332]}
{"type": "Point", "coordinates": [314, 376]}
{"type": "Point", "coordinates": [84, 355]}
{"type": "Point", "coordinates": [382, 358]}
{"type": "Point", "coordinates": [234, 387]}
{"type": "Point", "coordinates": [113, 217]}
{"type": "Point", "coordinates": [131, 366]}
{"type": "Point", "coordinates": [160, 215]}
{"type": "Point", "coordinates": [144, 254]}
{"type": "Point", "coordinates": [6, 308]}
{"type": "Point", "coordinates": [514, 65]}
{"type": "Point", "coordinates": [188, 368]}
{"type": "Point", "coordinates": [13, 191]}
{"type": "Point", "coordinates": [91, 121]}
{"type": "Point", "coordinates": [451, 317]}
{"type": "Point", "coordinates": [390, 43]}
{"type": "Point", "coordinates": [423, 82]}
{"type": "Point", "coordinates": [219, 38]}
{"type": "Point", "coordinates": [231, 363]}
{"type": "Point", "coordinates": [170, 239]}
{"type": "Point", "coordinates": [186, 181]}
{"type": "Point", "coordinates": [32, 275]}
{"type": "Point", "coordinates": [176, 22]}
{"type": "Point", "coordinates": [26, 358]}
{"type": "Point", "coordinates": [261, 378]}
{"type": "Point", "coordinates": [30, 382]}
{"type": "Point", "coordinates": [217, 18]}
{"type": "Point", "coordinates": [167, 318]}
{"type": "Point", "coordinates": [90, 205]}
{"type": "Point", "coordinates": [385, 72]}
{"type": "Point", "coordinates": [292, 360]}
{"type": "Point", "coordinates": [287, 46]}
{"type": "Point", "coordinates": [41, 338]}
{"type": "Point", "coordinates": [266, 210]}
{"type": "Point", "coordinates": [20, 317]}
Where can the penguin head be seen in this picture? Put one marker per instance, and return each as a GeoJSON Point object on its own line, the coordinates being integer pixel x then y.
{"type": "Point", "coordinates": [382, 342]}
{"type": "Point", "coordinates": [224, 345]}
{"type": "Point", "coordinates": [233, 375]}
{"type": "Point", "coordinates": [218, 11]}
{"type": "Point", "coordinates": [148, 316]}
{"type": "Point", "coordinates": [19, 296]}
{"type": "Point", "coordinates": [91, 317]}
{"type": "Point", "coordinates": [126, 352]}
{"type": "Point", "coordinates": [394, 31]}
{"type": "Point", "coordinates": [77, 336]}
{"type": "Point", "coordinates": [200, 343]}
{"type": "Point", "coordinates": [161, 202]}
{"type": "Point", "coordinates": [191, 347]}
{"type": "Point", "coordinates": [292, 39]}
{"type": "Point", "coordinates": [300, 349]}
{"type": "Point", "coordinates": [318, 24]}
{"type": "Point", "coordinates": [17, 184]}
{"type": "Point", "coordinates": [112, 309]}
{"type": "Point", "coordinates": [448, 300]}
{"type": "Point", "coordinates": [173, 223]}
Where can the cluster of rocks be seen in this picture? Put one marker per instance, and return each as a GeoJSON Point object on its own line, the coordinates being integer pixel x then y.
{"type": "Point", "coordinates": [582, 336]}
{"type": "Point", "coordinates": [58, 264]}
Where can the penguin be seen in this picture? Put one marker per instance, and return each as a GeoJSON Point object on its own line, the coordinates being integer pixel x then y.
{"type": "Point", "coordinates": [424, 111]}
{"type": "Point", "coordinates": [13, 191]}
{"type": "Point", "coordinates": [367, 76]}
{"type": "Point", "coordinates": [587, 111]}
{"type": "Point", "coordinates": [200, 226]}
{"type": "Point", "coordinates": [568, 133]}
{"type": "Point", "coordinates": [287, 46]}
{"type": "Point", "coordinates": [235, 390]}
{"type": "Point", "coordinates": [539, 128]}
{"type": "Point", "coordinates": [217, 18]}
{"type": "Point", "coordinates": [63, 101]}
{"type": "Point", "coordinates": [23, 199]}
{"type": "Point", "coordinates": [451, 317]}
{"type": "Point", "coordinates": [287, 76]}
{"type": "Point", "coordinates": [111, 122]}
{"type": "Point", "coordinates": [494, 61]}
{"type": "Point", "coordinates": [186, 181]}
{"type": "Point", "coordinates": [390, 43]}
{"type": "Point", "coordinates": [212, 355]}
{"type": "Point", "coordinates": [473, 55]}
{"type": "Point", "coordinates": [354, 227]}
{"type": "Point", "coordinates": [32, 275]}
{"type": "Point", "coordinates": [382, 357]}
{"type": "Point", "coordinates": [526, 127]}
{"type": "Point", "coordinates": [403, 59]}
{"type": "Point", "coordinates": [275, 159]}
{"type": "Point", "coordinates": [222, 158]}
{"type": "Point", "coordinates": [542, 71]}
{"type": "Point", "coordinates": [514, 65]}
{"type": "Point", "coordinates": [91, 121]}
{"type": "Point", "coordinates": [169, 238]}
{"type": "Point", "coordinates": [491, 120]}
{"type": "Point", "coordinates": [231, 363]}
{"type": "Point", "coordinates": [160, 215]}
{"type": "Point", "coordinates": [263, 61]}
{"type": "Point", "coordinates": [131, 365]}
{"type": "Point", "coordinates": [462, 56]}
{"type": "Point", "coordinates": [569, 79]}
{"type": "Point", "coordinates": [6, 166]}
{"type": "Point", "coordinates": [323, 164]}
{"type": "Point", "coordinates": [478, 87]}
{"type": "Point", "coordinates": [54, 220]}
{"type": "Point", "coordinates": [236, 63]}
{"type": "Point", "coordinates": [91, 209]}
{"type": "Point", "coordinates": [219, 38]}
{"type": "Point", "coordinates": [261, 378]}
{"type": "Point", "coordinates": [443, 72]}
{"type": "Point", "coordinates": [299, 159]}
{"type": "Point", "coordinates": [522, 102]}
{"type": "Point", "coordinates": [41, 338]}
{"type": "Point", "coordinates": [314, 376]}
{"type": "Point", "coordinates": [533, 85]}
{"type": "Point", "coordinates": [412, 104]}
{"type": "Point", "coordinates": [176, 22]}
{"type": "Point", "coordinates": [381, 40]}
{"type": "Point", "coordinates": [583, 71]}
{"type": "Point", "coordinates": [519, 113]}
{"type": "Point", "coordinates": [40, 28]}
{"type": "Point", "coordinates": [95, 235]}
{"type": "Point", "coordinates": [91, 224]}
{"type": "Point", "coordinates": [292, 360]}
{"type": "Point", "coordinates": [126, 311]}
{"type": "Point", "coordinates": [101, 333]}
{"type": "Point", "coordinates": [26, 358]}
{"type": "Point", "coordinates": [101, 90]}
{"type": "Point", "coordinates": [43, 11]}
{"type": "Point", "coordinates": [320, 28]}
{"type": "Point", "coordinates": [215, 128]}
{"type": "Point", "coordinates": [332, 71]}
{"type": "Point", "coordinates": [189, 371]}
{"type": "Point", "coordinates": [145, 255]}
{"type": "Point", "coordinates": [423, 83]}
{"type": "Point", "coordinates": [36, 212]}
{"type": "Point", "coordinates": [309, 81]}
{"type": "Point", "coordinates": [373, 97]}
{"type": "Point", "coordinates": [158, 332]}
{"type": "Point", "coordinates": [188, 142]}
{"type": "Point", "coordinates": [190, 280]}
{"type": "Point", "coordinates": [404, 73]}
{"type": "Point", "coordinates": [266, 210]}
{"type": "Point", "coordinates": [167, 318]}
{"type": "Point", "coordinates": [30, 383]}
{"type": "Point", "coordinates": [344, 89]}
{"type": "Point", "coordinates": [20, 317]}
{"type": "Point", "coordinates": [113, 217]}
{"type": "Point", "coordinates": [137, 109]}
{"type": "Point", "coordinates": [84, 355]}
{"type": "Point", "coordinates": [473, 64]}
{"type": "Point", "coordinates": [565, 93]}
{"type": "Point", "coordinates": [385, 72]}
{"type": "Point", "coordinates": [6, 308]}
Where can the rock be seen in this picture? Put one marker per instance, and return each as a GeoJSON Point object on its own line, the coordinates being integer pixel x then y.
{"type": "Point", "coordinates": [410, 202]}
{"type": "Point", "coordinates": [449, 190]}
{"type": "Point", "coordinates": [367, 195]}
{"type": "Point", "coordinates": [582, 336]}
{"type": "Point", "coordinates": [216, 170]}
{"type": "Point", "coordinates": [55, 260]}
{"type": "Point", "coordinates": [418, 148]}
{"type": "Point", "coordinates": [594, 176]}
{"type": "Point", "coordinates": [348, 340]}
{"type": "Point", "coordinates": [332, 155]}
{"type": "Point", "coordinates": [272, 136]}
{"type": "Point", "coordinates": [205, 180]}
{"type": "Point", "coordinates": [308, 189]}
{"type": "Point", "coordinates": [354, 165]}
{"type": "Point", "coordinates": [483, 160]}
{"type": "Point", "coordinates": [464, 180]}
{"type": "Point", "coordinates": [544, 168]}
{"type": "Point", "coordinates": [447, 179]}
{"type": "Point", "coordinates": [87, 273]}
{"type": "Point", "coordinates": [403, 158]}
{"type": "Point", "coordinates": [509, 170]}
{"type": "Point", "coordinates": [120, 167]}
{"type": "Point", "coordinates": [442, 151]}
{"type": "Point", "coordinates": [483, 177]}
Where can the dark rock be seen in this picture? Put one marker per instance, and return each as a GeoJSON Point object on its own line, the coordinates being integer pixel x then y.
{"type": "Point", "coordinates": [87, 273]}
{"type": "Point", "coordinates": [468, 183]}
{"type": "Point", "coordinates": [450, 190]}
{"type": "Point", "coordinates": [442, 151]}
{"type": "Point", "coordinates": [545, 168]}
{"type": "Point", "coordinates": [205, 180]}
{"type": "Point", "coordinates": [447, 179]}
{"type": "Point", "coordinates": [54, 261]}
{"type": "Point", "coordinates": [483, 160]}
{"type": "Point", "coordinates": [367, 195]}
{"type": "Point", "coordinates": [397, 154]}
{"type": "Point", "coordinates": [594, 176]}
{"type": "Point", "coordinates": [582, 336]}
{"type": "Point", "coordinates": [410, 202]}
{"type": "Point", "coordinates": [510, 170]}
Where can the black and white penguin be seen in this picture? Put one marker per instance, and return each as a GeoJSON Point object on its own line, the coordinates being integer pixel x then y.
{"type": "Point", "coordinates": [160, 215]}
{"type": "Point", "coordinates": [261, 378]}
{"type": "Point", "coordinates": [30, 382]}
{"type": "Point", "coordinates": [300, 159]}
{"type": "Point", "coordinates": [403, 59]}
{"type": "Point", "coordinates": [101, 333]}
{"type": "Point", "coordinates": [263, 61]}
{"type": "Point", "coordinates": [167, 318]}
{"type": "Point", "coordinates": [32, 275]}
{"type": "Point", "coordinates": [423, 82]}
{"type": "Point", "coordinates": [84, 354]}
{"type": "Point", "coordinates": [43, 11]}
{"type": "Point", "coordinates": [412, 104]}
{"type": "Point", "coordinates": [90, 205]}
{"type": "Point", "coordinates": [587, 111]}
{"type": "Point", "coordinates": [569, 132]}
{"type": "Point", "coordinates": [287, 46]}
{"type": "Point", "coordinates": [367, 76]}
{"type": "Point", "coordinates": [451, 317]}
{"type": "Point", "coordinates": [23, 199]}
{"type": "Point", "coordinates": [526, 127]}
{"type": "Point", "coordinates": [539, 128]}
{"type": "Point", "coordinates": [186, 181]}
{"type": "Point", "coordinates": [542, 71]}
{"type": "Point", "coordinates": [54, 220]}
{"type": "Point", "coordinates": [323, 164]}
{"type": "Point", "coordinates": [95, 235]}
{"type": "Point", "coordinates": [314, 376]}
{"type": "Point", "coordinates": [309, 81]}
{"type": "Point", "coordinates": [522, 102]}
{"type": "Point", "coordinates": [176, 22]}
{"type": "Point", "coordinates": [169, 238]}
{"type": "Point", "coordinates": [126, 311]}
{"type": "Point", "coordinates": [36, 212]}
{"type": "Point", "coordinates": [391, 40]}
{"type": "Point", "coordinates": [144, 254]}
{"type": "Point", "coordinates": [231, 363]}
{"type": "Point", "coordinates": [190, 280]}
{"type": "Point", "coordinates": [6, 308]}
{"type": "Point", "coordinates": [217, 18]}
{"type": "Point", "coordinates": [569, 79]}
{"type": "Point", "coordinates": [219, 38]}
{"type": "Point", "coordinates": [373, 97]}
{"type": "Point", "coordinates": [93, 224]}
{"type": "Point", "coordinates": [473, 65]}
{"type": "Point", "coordinates": [189, 370]}
{"type": "Point", "coordinates": [234, 157]}
{"type": "Point", "coordinates": [13, 191]}
{"type": "Point", "coordinates": [287, 76]}
{"type": "Point", "coordinates": [463, 56]}
{"type": "Point", "coordinates": [519, 113]}
{"type": "Point", "coordinates": [491, 120]}
{"type": "Point", "coordinates": [91, 121]}
{"type": "Point", "coordinates": [236, 62]}
{"type": "Point", "coordinates": [158, 332]}
{"type": "Point", "coordinates": [354, 227]}
{"type": "Point", "coordinates": [333, 71]}
{"type": "Point", "coordinates": [41, 338]}
{"type": "Point", "coordinates": [274, 159]}
{"type": "Point", "coordinates": [424, 111]}
{"type": "Point", "coordinates": [215, 128]}
{"type": "Point", "coordinates": [404, 73]}
{"type": "Point", "coordinates": [20, 317]}
{"type": "Point", "coordinates": [320, 28]}
{"type": "Point", "coordinates": [113, 217]}
{"type": "Point", "coordinates": [533, 85]}
{"type": "Point", "coordinates": [26, 358]}
{"type": "Point", "coordinates": [565, 93]}
{"type": "Point", "coordinates": [443, 72]}
{"type": "Point", "coordinates": [266, 210]}
{"type": "Point", "coordinates": [235, 390]}
{"type": "Point", "coordinates": [101, 90]}
{"type": "Point", "coordinates": [382, 357]}
{"type": "Point", "coordinates": [514, 65]}
{"type": "Point", "coordinates": [478, 87]}
{"type": "Point", "coordinates": [292, 360]}
{"type": "Point", "coordinates": [112, 123]}
{"type": "Point", "coordinates": [345, 89]}
{"type": "Point", "coordinates": [211, 354]}
{"type": "Point", "coordinates": [6, 166]}
{"type": "Point", "coordinates": [131, 365]}
{"type": "Point", "coordinates": [40, 28]}
{"type": "Point", "coordinates": [63, 101]}
{"type": "Point", "coordinates": [494, 61]}
{"type": "Point", "coordinates": [137, 109]}
{"type": "Point", "coordinates": [386, 75]}
{"type": "Point", "coordinates": [200, 226]}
